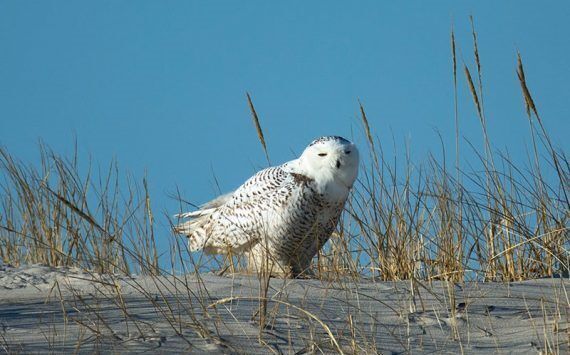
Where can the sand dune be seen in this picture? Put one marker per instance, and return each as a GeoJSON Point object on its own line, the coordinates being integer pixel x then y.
{"type": "Point", "coordinates": [66, 310]}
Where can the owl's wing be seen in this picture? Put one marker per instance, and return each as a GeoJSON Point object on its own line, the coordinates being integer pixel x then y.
{"type": "Point", "coordinates": [239, 222]}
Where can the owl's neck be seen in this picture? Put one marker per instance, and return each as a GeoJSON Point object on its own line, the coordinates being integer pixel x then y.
{"type": "Point", "coordinates": [334, 191]}
{"type": "Point", "coordinates": [326, 182]}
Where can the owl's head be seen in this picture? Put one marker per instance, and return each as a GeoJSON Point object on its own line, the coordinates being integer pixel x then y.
{"type": "Point", "coordinates": [331, 158]}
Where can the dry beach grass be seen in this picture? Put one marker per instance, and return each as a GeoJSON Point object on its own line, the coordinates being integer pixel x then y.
{"type": "Point", "coordinates": [427, 258]}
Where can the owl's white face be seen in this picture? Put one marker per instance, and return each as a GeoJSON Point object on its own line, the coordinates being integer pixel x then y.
{"type": "Point", "coordinates": [331, 158]}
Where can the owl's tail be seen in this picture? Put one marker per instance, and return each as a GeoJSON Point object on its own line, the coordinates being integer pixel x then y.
{"type": "Point", "coordinates": [194, 228]}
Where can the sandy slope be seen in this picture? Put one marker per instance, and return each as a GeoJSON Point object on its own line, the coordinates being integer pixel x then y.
{"type": "Point", "coordinates": [66, 310]}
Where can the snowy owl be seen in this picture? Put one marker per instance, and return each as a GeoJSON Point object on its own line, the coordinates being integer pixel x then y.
{"type": "Point", "coordinates": [281, 216]}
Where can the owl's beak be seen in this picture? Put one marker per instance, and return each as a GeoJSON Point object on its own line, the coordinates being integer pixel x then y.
{"type": "Point", "coordinates": [338, 164]}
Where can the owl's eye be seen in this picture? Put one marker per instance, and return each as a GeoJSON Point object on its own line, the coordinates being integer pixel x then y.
{"type": "Point", "coordinates": [347, 152]}
{"type": "Point", "coordinates": [322, 154]}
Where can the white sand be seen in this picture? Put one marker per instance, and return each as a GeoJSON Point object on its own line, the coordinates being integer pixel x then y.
{"type": "Point", "coordinates": [66, 310]}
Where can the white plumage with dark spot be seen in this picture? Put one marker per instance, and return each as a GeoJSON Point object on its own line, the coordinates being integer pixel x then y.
{"type": "Point", "coordinates": [283, 215]}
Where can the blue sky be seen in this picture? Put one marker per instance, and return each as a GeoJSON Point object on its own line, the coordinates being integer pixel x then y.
{"type": "Point", "coordinates": [160, 86]}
